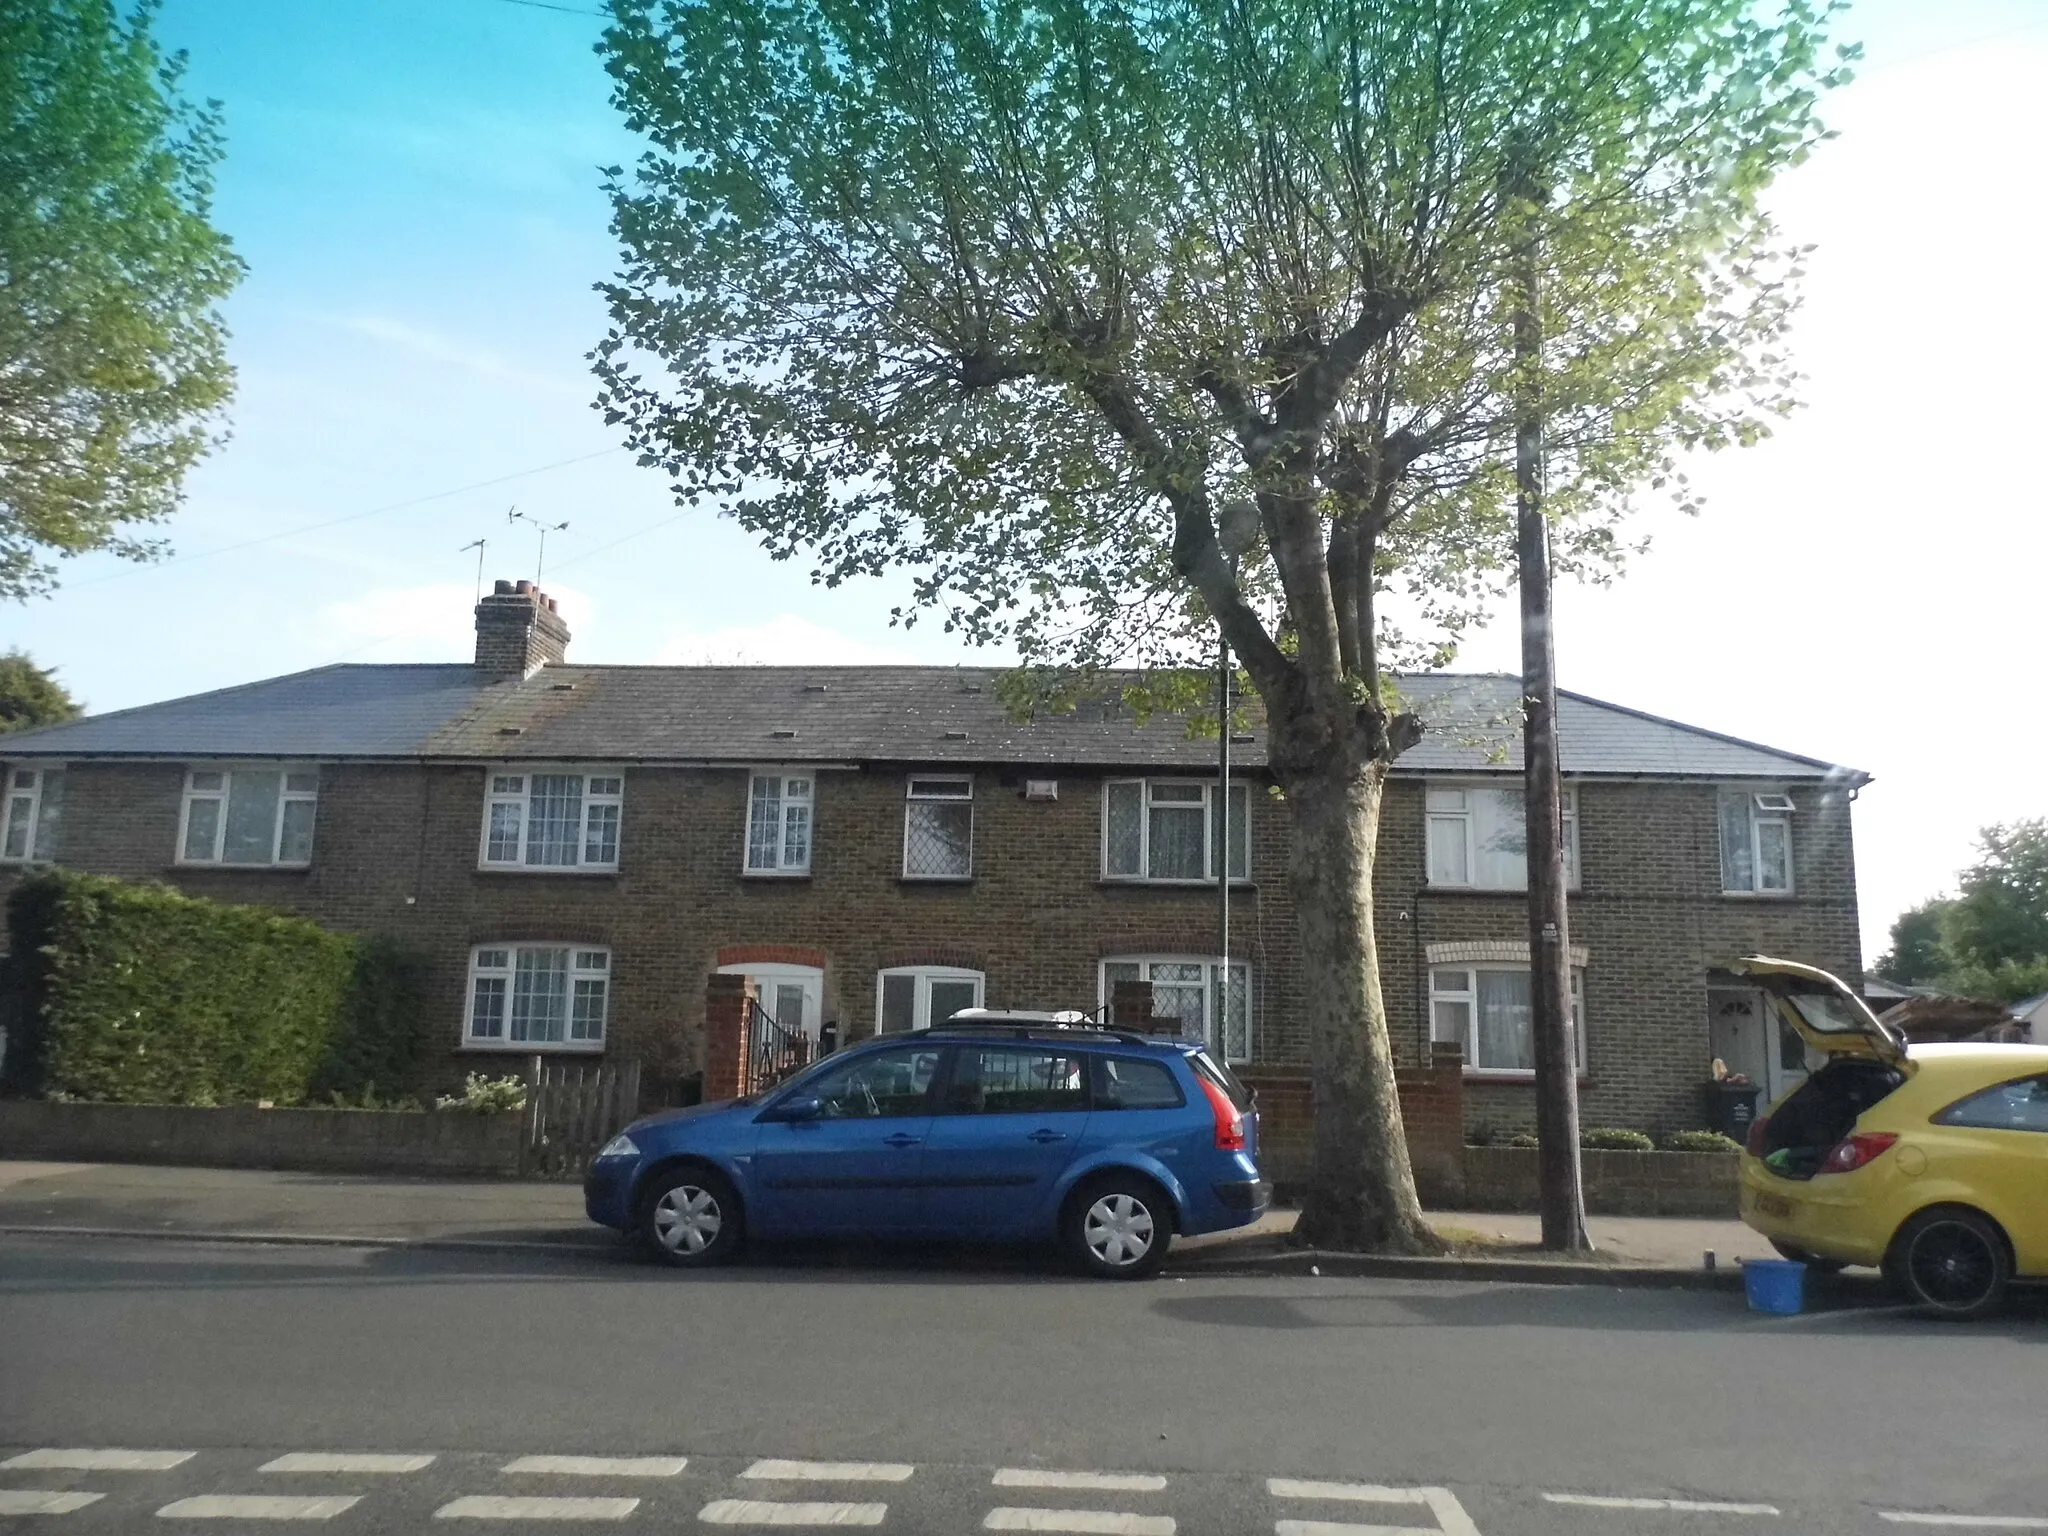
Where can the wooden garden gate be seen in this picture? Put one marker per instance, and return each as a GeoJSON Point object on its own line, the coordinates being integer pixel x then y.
{"type": "Point", "coordinates": [572, 1109]}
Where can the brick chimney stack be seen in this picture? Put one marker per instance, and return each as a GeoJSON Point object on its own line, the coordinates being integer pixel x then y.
{"type": "Point", "coordinates": [517, 630]}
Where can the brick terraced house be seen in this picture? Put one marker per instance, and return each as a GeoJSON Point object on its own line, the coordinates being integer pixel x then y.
{"type": "Point", "coordinates": [579, 848]}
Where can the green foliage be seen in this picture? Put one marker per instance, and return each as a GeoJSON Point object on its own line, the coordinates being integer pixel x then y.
{"type": "Point", "coordinates": [379, 1043]}
{"type": "Point", "coordinates": [1027, 300]}
{"type": "Point", "coordinates": [139, 994]}
{"type": "Point", "coordinates": [1991, 940]}
{"type": "Point", "coordinates": [1917, 955]}
{"type": "Point", "coordinates": [112, 350]}
{"type": "Point", "coordinates": [31, 695]}
{"type": "Point", "coordinates": [1700, 1141]}
{"type": "Point", "coordinates": [1609, 1139]}
{"type": "Point", "coordinates": [483, 1095]}
{"type": "Point", "coordinates": [1524, 1139]}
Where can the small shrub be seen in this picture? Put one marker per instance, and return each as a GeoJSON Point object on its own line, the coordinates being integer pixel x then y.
{"type": "Point", "coordinates": [1481, 1136]}
{"type": "Point", "coordinates": [1609, 1139]}
{"type": "Point", "coordinates": [1700, 1141]}
{"type": "Point", "coordinates": [486, 1095]}
{"type": "Point", "coordinates": [1522, 1139]}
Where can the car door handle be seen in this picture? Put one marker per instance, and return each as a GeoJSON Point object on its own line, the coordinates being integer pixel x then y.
{"type": "Point", "coordinates": [1045, 1138]}
{"type": "Point", "coordinates": [901, 1140]}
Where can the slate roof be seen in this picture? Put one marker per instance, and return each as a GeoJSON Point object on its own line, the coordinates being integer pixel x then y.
{"type": "Point", "coordinates": [817, 714]}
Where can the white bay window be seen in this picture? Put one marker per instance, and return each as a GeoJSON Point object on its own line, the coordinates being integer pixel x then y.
{"type": "Point", "coordinates": [1479, 840]}
{"type": "Point", "coordinates": [1489, 1010]}
{"type": "Point", "coordinates": [919, 996]}
{"type": "Point", "coordinates": [553, 820]}
{"type": "Point", "coordinates": [537, 997]}
{"type": "Point", "coordinates": [251, 817]}
{"type": "Point", "coordinates": [779, 822]}
{"type": "Point", "coordinates": [1168, 830]}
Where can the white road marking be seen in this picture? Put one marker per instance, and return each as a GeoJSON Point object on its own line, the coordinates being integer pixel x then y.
{"type": "Point", "coordinates": [344, 1461]}
{"type": "Point", "coordinates": [1967, 1522]}
{"type": "Point", "coordinates": [1450, 1514]}
{"type": "Point", "coordinates": [100, 1461]}
{"type": "Point", "coordinates": [601, 1466]}
{"type": "Point", "coordinates": [493, 1507]}
{"type": "Point", "coordinates": [1110, 1482]}
{"type": "Point", "coordinates": [39, 1501]}
{"type": "Point", "coordinates": [768, 1512]}
{"type": "Point", "coordinates": [830, 1471]}
{"type": "Point", "coordinates": [1088, 1522]}
{"type": "Point", "coordinates": [1688, 1506]}
{"type": "Point", "coordinates": [258, 1506]}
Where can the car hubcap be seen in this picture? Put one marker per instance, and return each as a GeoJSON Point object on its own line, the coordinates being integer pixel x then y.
{"type": "Point", "coordinates": [687, 1219]}
{"type": "Point", "coordinates": [1118, 1230]}
{"type": "Point", "coordinates": [1952, 1265]}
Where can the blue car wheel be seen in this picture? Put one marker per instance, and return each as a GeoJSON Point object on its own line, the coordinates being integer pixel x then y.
{"type": "Point", "coordinates": [1117, 1226]}
{"type": "Point", "coordinates": [691, 1218]}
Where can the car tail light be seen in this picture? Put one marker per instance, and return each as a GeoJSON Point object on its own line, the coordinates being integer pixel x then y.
{"type": "Point", "coordinates": [1229, 1123]}
{"type": "Point", "coordinates": [1754, 1143]}
{"type": "Point", "coordinates": [1852, 1152]}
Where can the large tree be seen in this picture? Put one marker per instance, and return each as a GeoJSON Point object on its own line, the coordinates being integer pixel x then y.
{"type": "Point", "coordinates": [31, 695]}
{"type": "Point", "coordinates": [113, 363]}
{"type": "Point", "coordinates": [1991, 939]}
{"type": "Point", "coordinates": [1060, 306]}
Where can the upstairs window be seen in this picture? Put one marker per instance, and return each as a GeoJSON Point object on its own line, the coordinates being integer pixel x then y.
{"type": "Point", "coordinates": [35, 811]}
{"type": "Point", "coordinates": [553, 820]}
{"type": "Point", "coordinates": [1479, 838]}
{"type": "Point", "coordinates": [1756, 842]}
{"type": "Point", "coordinates": [538, 996]}
{"type": "Point", "coordinates": [779, 823]}
{"type": "Point", "coordinates": [249, 816]}
{"type": "Point", "coordinates": [938, 829]}
{"type": "Point", "coordinates": [1169, 830]}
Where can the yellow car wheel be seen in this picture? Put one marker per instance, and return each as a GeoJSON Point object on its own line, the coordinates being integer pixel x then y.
{"type": "Point", "coordinates": [1952, 1262]}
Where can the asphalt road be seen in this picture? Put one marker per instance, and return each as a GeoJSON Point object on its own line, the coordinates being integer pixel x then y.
{"type": "Point", "coordinates": [977, 1379]}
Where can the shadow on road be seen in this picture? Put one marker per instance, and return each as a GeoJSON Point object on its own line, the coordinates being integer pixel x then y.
{"type": "Point", "coordinates": [1851, 1311]}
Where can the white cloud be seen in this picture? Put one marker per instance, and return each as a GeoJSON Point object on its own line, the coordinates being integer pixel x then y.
{"type": "Point", "coordinates": [785, 640]}
{"type": "Point", "coordinates": [431, 622]}
{"type": "Point", "coordinates": [433, 346]}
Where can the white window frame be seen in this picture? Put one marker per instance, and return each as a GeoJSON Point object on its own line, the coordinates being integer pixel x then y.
{"type": "Point", "coordinates": [31, 795]}
{"type": "Point", "coordinates": [1434, 816]}
{"type": "Point", "coordinates": [924, 976]}
{"type": "Point", "coordinates": [586, 963]}
{"type": "Point", "coordinates": [767, 976]}
{"type": "Point", "coordinates": [1239, 826]}
{"type": "Point", "coordinates": [782, 868]}
{"type": "Point", "coordinates": [1771, 807]}
{"type": "Point", "coordinates": [1211, 1030]}
{"type": "Point", "coordinates": [496, 794]}
{"type": "Point", "coordinates": [913, 797]}
{"type": "Point", "coordinates": [194, 794]}
{"type": "Point", "coordinates": [1469, 996]}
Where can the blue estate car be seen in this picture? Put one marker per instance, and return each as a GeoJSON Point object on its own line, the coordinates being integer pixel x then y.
{"type": "Point", "coordinates": [996, 1126]}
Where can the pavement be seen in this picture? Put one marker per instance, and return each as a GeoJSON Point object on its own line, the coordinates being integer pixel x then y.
{"type": "Point", "coordinates": [377, 1389]}
{"type": "Point", "coordinates": [446, 1213]}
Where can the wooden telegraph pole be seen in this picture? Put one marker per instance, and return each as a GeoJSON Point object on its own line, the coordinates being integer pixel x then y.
{"type": "Point", "coordinates": [1550, 969]}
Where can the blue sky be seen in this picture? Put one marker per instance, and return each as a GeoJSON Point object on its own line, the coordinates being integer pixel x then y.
{"type": "Point", "coordinates": [414, 186]}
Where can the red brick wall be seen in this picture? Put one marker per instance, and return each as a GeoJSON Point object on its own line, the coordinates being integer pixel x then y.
{"type": "Point", "coordinates": [1432, 1113]}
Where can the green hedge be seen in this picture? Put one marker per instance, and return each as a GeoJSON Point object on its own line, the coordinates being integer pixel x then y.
{"type": "Point", "coordinates": [138, 994]}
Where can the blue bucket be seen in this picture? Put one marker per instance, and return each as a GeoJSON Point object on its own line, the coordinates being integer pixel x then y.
{"type": "Point", "coordinates": [1774, 1285]}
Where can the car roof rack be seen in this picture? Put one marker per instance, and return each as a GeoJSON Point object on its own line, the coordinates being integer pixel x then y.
{"type": "Point", "coordinates": [1031, 1023]}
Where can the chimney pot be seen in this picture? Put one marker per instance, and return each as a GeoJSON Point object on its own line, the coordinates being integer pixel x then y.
{"type": "Point", "coordinates": [518, 630]}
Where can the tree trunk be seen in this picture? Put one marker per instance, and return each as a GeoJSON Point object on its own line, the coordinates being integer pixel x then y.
{"type": "Point", "coordinates": [1362, 1191]}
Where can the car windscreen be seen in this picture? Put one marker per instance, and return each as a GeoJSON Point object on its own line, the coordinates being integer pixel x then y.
{"type": "Point", "coordinates": [1219, 1074]}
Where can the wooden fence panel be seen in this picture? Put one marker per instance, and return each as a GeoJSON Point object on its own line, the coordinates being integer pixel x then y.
{"type": "Point", "coordinates": [572, 1109]}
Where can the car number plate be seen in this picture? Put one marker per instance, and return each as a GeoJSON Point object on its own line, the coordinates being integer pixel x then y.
{"type": "Point", "coordinates": [1773, 1205]}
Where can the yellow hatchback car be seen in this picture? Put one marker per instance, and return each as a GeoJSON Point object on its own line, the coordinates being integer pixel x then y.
{"type": "Point", "coordinates": [1929, 1161]}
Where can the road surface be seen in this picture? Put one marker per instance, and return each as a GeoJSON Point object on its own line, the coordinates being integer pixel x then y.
{"type": "Point", "coordinates": [915, 1397]}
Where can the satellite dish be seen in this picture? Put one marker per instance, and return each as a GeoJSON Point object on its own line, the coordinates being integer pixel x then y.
{"type": "Point", "coordinates": [1237, 527]}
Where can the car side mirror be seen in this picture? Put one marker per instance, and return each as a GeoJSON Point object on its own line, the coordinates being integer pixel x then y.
{"type": "Point", "coordinates": [804, 1108]}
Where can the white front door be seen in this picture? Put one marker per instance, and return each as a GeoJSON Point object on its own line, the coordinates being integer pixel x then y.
{"type": "Point", "coordinates": [1744, 1030]}
{"type": "Point", "coordinates": [793, 995]}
